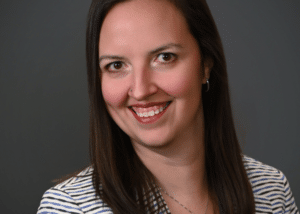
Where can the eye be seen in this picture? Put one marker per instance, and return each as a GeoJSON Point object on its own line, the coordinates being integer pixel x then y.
{"type": "Point", "coordinates": [166, 57]}
{"type": "Point", "coordinates": [114, 66]}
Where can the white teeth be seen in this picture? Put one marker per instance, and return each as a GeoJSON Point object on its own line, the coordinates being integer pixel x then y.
{"type": "Point", "coordinates": [151, 113]}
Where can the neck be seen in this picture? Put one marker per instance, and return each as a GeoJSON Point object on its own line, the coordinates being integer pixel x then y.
{"type": "Point", "coordinates": [178, 167]}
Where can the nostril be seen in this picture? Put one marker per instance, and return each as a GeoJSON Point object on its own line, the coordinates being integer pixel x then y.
{"type": "Point", "coordinates": [142, 91]}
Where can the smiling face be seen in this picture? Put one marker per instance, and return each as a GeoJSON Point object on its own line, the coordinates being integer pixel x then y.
{"type": "Point", "coordinates": [151, 72]}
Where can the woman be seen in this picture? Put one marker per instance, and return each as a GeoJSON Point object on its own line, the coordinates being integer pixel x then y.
{"type": "Point", "coordinates": [162, 138]}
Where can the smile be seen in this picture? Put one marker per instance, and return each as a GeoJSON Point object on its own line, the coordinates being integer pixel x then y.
{"type": "Point", "coordinates": [151, 111]}
{"type": "Point", "coordinates": [150, 114]}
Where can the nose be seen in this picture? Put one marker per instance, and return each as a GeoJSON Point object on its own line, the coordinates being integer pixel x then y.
{"type": "Point", "coordinates": [143, 84]}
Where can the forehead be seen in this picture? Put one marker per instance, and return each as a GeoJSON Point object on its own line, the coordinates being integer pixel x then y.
{"type": "Point", "coordinates": [142, 22]}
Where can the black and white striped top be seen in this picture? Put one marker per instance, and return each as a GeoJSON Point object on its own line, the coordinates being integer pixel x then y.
{"type": "Point", "coordinates": [271, 189]}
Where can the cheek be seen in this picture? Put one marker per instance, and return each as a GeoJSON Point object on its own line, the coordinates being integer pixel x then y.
{"type": "Point", "coordinates": [114, 93]}
{"type": "Point", "coordinates": [183, 83]}
{"type": "Point", "coordinates": [176, 87]}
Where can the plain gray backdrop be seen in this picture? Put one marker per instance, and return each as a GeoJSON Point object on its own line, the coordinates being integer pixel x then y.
{"type": "Point", "coordinates": [44, 99]}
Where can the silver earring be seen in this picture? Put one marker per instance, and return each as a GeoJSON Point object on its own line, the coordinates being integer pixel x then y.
{"type": "Point", "coordinates": [207, 83]}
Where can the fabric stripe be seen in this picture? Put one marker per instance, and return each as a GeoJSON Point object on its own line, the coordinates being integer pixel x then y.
{"type": "Point", "coordinates": [271, 189]}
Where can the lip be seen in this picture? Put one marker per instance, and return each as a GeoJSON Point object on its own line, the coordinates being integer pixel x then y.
{"type": "Point", "coordinates": [152, 119]}
{"type": "Point", "coordinates": [147, 105]}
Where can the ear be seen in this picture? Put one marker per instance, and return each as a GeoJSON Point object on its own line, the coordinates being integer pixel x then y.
{"type": "Point", "coordinates": [208, 64]}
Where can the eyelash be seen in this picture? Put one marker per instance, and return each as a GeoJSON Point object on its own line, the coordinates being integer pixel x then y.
{"type": "Point", "coordinates": [173, 56]}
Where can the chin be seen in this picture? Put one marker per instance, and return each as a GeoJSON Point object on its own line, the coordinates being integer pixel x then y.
{"type": "Point", "coordinates": [153, 143]}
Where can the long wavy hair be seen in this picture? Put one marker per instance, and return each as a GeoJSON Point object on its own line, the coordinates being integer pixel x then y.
{"type": "Point", "coordinates": [120, 178]}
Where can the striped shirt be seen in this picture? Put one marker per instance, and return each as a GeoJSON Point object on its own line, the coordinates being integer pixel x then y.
{"type": "Point", "coordinates": [272, 193]}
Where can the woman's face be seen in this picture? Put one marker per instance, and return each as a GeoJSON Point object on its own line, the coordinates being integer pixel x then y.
{"type": "Point", "coordinates": [151, 71]}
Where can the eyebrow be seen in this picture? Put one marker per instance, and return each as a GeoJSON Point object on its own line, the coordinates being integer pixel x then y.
{"type": "Point", "coordinates": [164, 47]}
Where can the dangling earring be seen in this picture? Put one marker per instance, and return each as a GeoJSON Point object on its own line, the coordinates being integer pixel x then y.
{"type": "Point", "coordinates": [207, 83]}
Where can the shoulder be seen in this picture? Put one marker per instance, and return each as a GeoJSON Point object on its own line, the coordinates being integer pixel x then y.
{"type": "Point", "coordinates": [75, 195]}
{"type": "Point", "coordinates": [271, 189]}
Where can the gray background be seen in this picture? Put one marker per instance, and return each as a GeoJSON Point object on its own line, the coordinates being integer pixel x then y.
{"type": "Point", "coordinates": [44, 100]}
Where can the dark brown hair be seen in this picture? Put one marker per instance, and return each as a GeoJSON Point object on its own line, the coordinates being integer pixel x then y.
{"type": "Point", "coordinates": [117, 168]}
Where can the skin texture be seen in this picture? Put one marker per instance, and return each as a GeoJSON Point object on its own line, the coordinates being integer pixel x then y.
{"type": "Point", "coordinates": [172, 148]}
